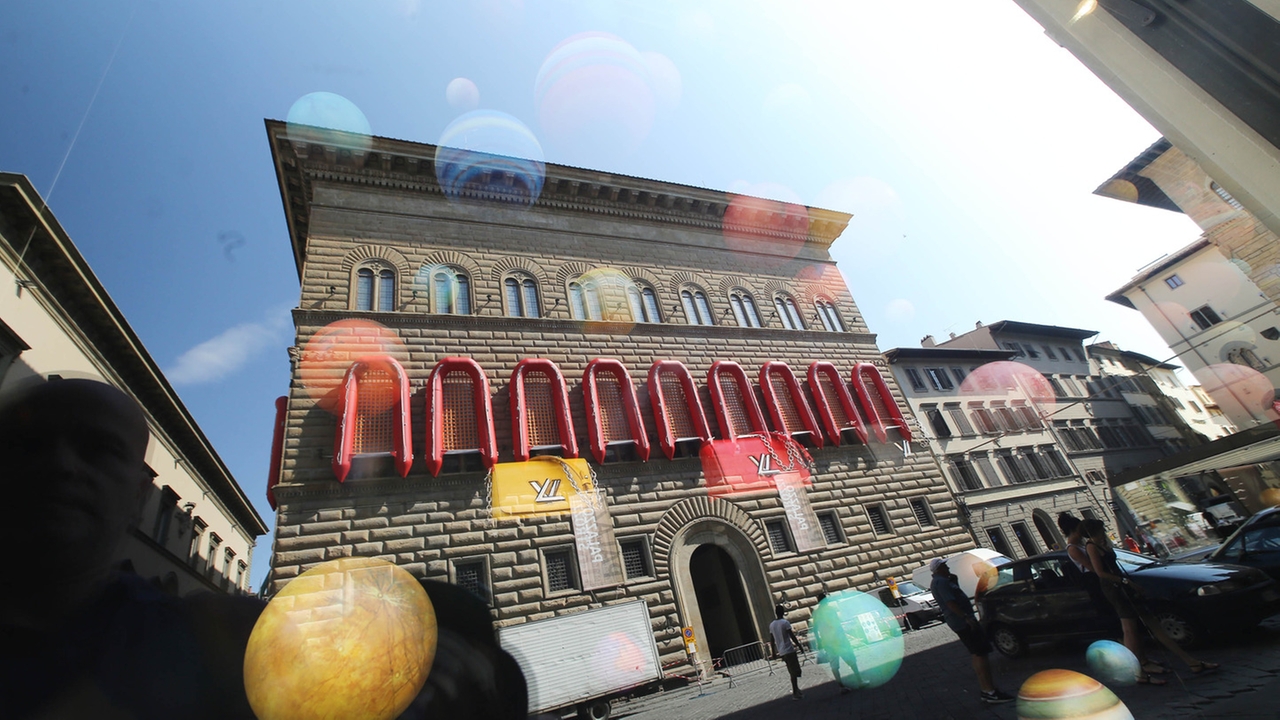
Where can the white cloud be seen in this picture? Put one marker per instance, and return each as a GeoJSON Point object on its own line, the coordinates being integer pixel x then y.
{"type": "Point", "coordinates": [229, 351]}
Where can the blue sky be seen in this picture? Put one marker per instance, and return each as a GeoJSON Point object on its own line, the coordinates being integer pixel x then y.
{"type": "Point", "coordinates": [965, 141]}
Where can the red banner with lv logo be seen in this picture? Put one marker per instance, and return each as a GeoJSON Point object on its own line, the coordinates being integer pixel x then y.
{"type": "Point", "coordinates": [751, 463]}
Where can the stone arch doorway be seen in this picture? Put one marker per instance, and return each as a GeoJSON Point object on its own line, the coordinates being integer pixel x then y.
{"type": "Point", "coordinates": [722, 601]}
{"type": "Point", "coordinates": [1048, 529]}
{"type": "Point", "coordinates": [698, 522]}
{"type": "Point", "coordinates": [721, 588]}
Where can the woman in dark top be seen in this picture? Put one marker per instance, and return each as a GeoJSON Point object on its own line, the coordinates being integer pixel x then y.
{"type": "Point", "coordinates": [1120, 592]}
{"type": "Point", "coordinates": [1078, 553]}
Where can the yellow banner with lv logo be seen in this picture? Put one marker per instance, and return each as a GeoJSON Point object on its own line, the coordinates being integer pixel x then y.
{"type": "Point", "coordinates": [540, 486]}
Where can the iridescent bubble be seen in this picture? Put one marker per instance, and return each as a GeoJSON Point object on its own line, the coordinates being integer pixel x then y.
{"type": "Point", "coordinates": [487, 155]}
{"type": "Point", "coordinates": [325, 358]}
{"type": "Point", "coordinates": [595, 98]}
{"type": "Point", "coordinates": [462, 94]}
{"type": "Point", "coordinates": [667, 84]}
{"type": "Point", "coordinates": [1004, 376]}
{"type": "Point", "coordinates": [1232, 385]}
{"type": "Point", "coordinates": [858, 631]}
{"type": "Point", "coordinates": [350, 638]}
{"type": "Point", "coordinates": [1113, 663]}
{"type": "Point", "coordinates": [766, 222]}
{"type": "Point", "coordinates": [328, 118]}
{"type": "Point", "coordinates": [605, 295]}
{"type": "Point", "coordinates": [1063, 694]}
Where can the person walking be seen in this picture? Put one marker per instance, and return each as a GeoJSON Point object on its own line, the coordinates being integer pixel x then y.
{"type": "Point", "coordinates": [785, 646]}
{"type": "Point", "coordinates": [1121, 592]}
{"type": "Point", "coordinates": [958, 612]}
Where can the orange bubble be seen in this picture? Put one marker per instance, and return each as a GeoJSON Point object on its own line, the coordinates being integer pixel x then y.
{"type": "Point", "coordinates": [350, 638]}
{"type": "Point", "coordinates": [773, 230]}
{"type": "Point", "coordinates": [1270, 497]}
{"type": "Point", "coordinates": [1006, 375]}
{"type": "Point", "coordinates": [330, 352]}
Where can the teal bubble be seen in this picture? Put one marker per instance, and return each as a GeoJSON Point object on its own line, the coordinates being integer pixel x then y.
{"type": "Point", "coordinates": [329, 118]}
{"type": "Point", "coordinates": [488, 155]}
{"type": "Point", "coordinates": [1113, 663]}
{"type": "Point", "coordinates": [859, 632]}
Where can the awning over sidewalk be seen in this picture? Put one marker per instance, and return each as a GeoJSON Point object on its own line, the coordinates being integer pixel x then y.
{"type": "Point", "coordinates": [1255, 445]}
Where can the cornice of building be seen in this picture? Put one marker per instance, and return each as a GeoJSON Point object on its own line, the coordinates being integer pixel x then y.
{"type": "Point", "coordinates": [489, 323]}
{"type": "Point", "coordinates": [304, 156]}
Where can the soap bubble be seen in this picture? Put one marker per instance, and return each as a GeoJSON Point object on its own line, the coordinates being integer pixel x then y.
{"type": "Point", "coordinates": [619, 659]}
{"type": "Point", "coordinates": [1003, 376]}
{"type": "Point", "coordinates": [1114, 663]}
{"type": "Point", "coordinates": [1232, 385]}
{"type": "Point", "coordinates": [328, 118]}
{"type": "Point", "coordinates": [490, 155]}
{"type": "Point", "coordinates": [1063, 694]}
{"type": "Point", "coordinates": [858, 630]}
{"type": "Point", "coordinates": [360, 625]}
{"type": "Point", "coordinates": [595, 97]}
{"type": "Point", "coordinates": [462, 94]}
{"type": "Point", "coordinates": [605, 295]}
{"type": "Point", "coordinates": [324, 359]}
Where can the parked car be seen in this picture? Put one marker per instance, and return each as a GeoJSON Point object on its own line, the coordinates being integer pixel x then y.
{"type": "Point", "coordinates": [914, 603]}
{"type": "Point", "coordinates": [1041, 599]}
{"type": "Point", "coordinates": [1255, 543]}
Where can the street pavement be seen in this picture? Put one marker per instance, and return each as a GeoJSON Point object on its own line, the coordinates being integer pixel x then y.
{"type": "Point", "coordinates": [936, 680]}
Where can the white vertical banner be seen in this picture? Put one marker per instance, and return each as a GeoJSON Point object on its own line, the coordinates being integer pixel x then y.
{"type": "Point", "coordinates": [800, 516]}
{"type": "Point", "coordinates": [599, 562]}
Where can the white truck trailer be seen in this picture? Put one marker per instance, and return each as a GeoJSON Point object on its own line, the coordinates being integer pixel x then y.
{"type": "Point", "coordinates": [585, 659]}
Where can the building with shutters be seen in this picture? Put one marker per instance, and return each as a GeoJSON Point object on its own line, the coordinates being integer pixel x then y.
{"type": "Point", "coordinates": [492, 355]}
{"type": "Point", "coordinates": [989, 431]}
{"type": "Point", "coordinates": [198, 529]}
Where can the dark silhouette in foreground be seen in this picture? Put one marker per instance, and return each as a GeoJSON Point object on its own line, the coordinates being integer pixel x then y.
{"type": "Point", "coordinates": [78, 637]}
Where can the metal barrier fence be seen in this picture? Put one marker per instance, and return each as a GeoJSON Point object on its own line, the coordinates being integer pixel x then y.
{"type": "Point", "coordinates": [744, 660]}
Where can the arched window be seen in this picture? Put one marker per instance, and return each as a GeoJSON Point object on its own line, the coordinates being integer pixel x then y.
{"type": "Point", "coordinates": [375, 288]}
{"type": "Point", "coordinates": [450, 292]}
{"type": "Point", "coordinates": [829, 316]}
{"type": "Point", "coordinates": [697, 310]}
{"type": "Point", "coordinates": [520, 292]}
{"type": "Point", "coordinates": [585, 302]}
{"type": "Point", "coordinates": [644, 304]}
{"type": "Point", "coordinates": [788, 312]}
{"type": "Point", "coordinates": [744, 308]}
{"type": "Point", "coordinates": [878, 405]}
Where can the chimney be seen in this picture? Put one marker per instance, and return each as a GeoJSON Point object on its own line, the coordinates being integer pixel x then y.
{"type": "Point", "coordinates": [953, 336]}
{"type": "Point", "coordinates": [977, 325]}
{"type": "Point", "coordinates": [927, 341]}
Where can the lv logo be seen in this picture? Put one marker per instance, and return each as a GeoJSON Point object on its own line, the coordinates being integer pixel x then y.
{"type": "Point", "coordinates": [547, 490]}
{"type": "Point", "coordinates": [764, 464]}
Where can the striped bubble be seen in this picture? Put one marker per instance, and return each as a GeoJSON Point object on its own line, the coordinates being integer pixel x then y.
{"type": "Point", "coordinates": [328, 118]}
{"type": "Point", "coordinates": [490, 156]}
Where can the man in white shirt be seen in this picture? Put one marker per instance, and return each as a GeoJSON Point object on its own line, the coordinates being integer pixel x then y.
{"type": "Point", "coordinates": [785, 646]}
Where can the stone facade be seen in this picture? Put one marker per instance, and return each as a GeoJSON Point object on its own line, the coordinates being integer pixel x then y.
{"type": "Point", "coordinates": [381, 204]}
{"type": "Point", "coordinates": [1009, 474]}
